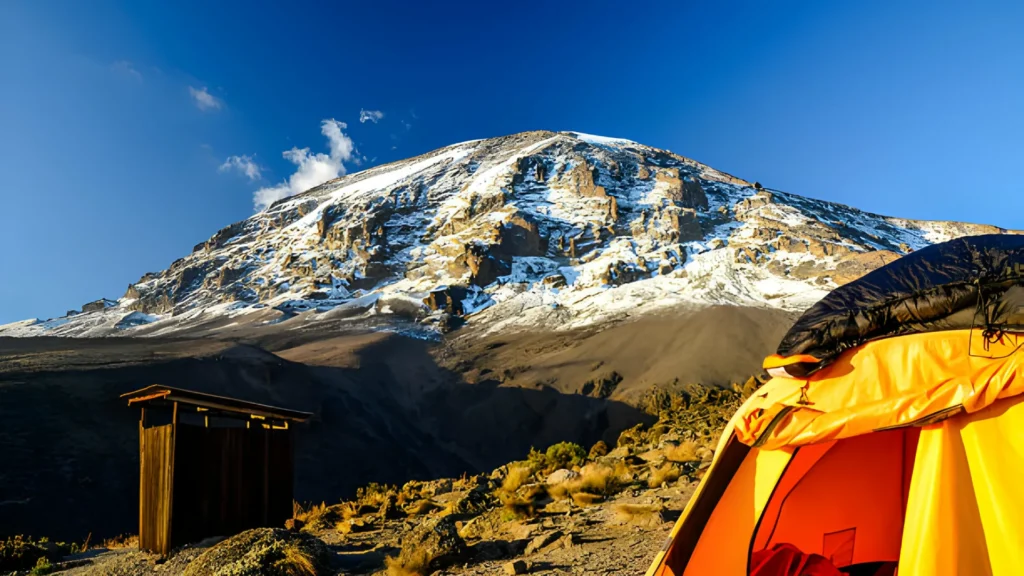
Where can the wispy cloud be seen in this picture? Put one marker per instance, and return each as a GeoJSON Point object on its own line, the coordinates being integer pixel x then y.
{"type": "Point", "coordinates": [243, 164]}
{"type": "Point", "coordinates": [125, 67]}
{"type": "Point", "coordinates": [204, 100]}
{"type": "Point", "coordinates": [370, 116]}
{"type": "Point", "coordinates": [312, 169]}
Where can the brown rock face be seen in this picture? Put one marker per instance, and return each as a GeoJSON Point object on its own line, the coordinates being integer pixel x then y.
{"type": "Point", "coordinates": [96, 305]}
{"type": "Point", "coordinates": [682, 189]}
{"type": "Point", "coordinates": [581, 178]}
{"type": "Point", "coordinates": [483, 268]}
{"type": "Point", "coordinates": [521, 236]}
{"type": "Point", "coordinates": [855, 265]}
{"type": "Point", "coordinates": [448, 298]}
{"type": "Point", "coordinates": [819, 248]}
{"type": "Point", "coordinates": [668, 224]}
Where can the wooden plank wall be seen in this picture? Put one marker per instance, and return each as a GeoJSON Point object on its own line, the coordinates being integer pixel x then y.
{"type": "Point", "coordinates": [155, 480]}
{"type": "Point", "coordinates": [227, 480]}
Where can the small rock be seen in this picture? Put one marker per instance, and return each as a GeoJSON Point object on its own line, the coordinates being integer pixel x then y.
{"type": "Point", "coordinates": [542, 541]}
{"type": "Point", "coordinates": [521, 531]}
{"type": "Point", "coordinates": [364, 524]}
{"type": "Point", "coordinates": [570, 540]}
{"type": "Point", "coordinates": [562, 475]}
{"type": "Point", "coordinates": [517, 567]}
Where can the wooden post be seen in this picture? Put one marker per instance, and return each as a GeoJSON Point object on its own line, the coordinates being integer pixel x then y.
{"type": "Point", "coordinates": [142, 484]}
{"type": "Point", "coordinates": [266, 475]}
{"type": "Point", "coordinates": [169, 538]}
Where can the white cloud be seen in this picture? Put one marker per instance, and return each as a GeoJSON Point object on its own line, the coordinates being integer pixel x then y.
{"type": "Point", "coordinates": [313, 169]}
{"type": "Point", "coordinates": [244, 164]}
{"type": "Point", "coordinates": [204, 100]}
{"type": "Point", "coordinates": [125, 67]}
{"type": "Point", "coordinates": [370, 116]}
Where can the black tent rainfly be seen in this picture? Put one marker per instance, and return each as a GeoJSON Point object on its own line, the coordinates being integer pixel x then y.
{"type": "Point", "coordinates": [971, 282]}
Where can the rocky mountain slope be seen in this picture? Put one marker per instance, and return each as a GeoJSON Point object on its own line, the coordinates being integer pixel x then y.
{"type": "Point", "coordinates": [539, 229]}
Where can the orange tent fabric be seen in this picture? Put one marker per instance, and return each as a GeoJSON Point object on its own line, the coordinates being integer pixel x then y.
{"type": "Point", "coordinates": [905, 449]}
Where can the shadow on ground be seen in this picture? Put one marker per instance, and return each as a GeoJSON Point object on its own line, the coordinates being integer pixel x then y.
{"type": "Point", "coordinates": [389, 413]}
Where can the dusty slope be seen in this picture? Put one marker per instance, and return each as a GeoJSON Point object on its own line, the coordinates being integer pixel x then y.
{"type": "Point", "coordinates": [718, 345]}
{"type": "Point", "coordinates": [388, 408]}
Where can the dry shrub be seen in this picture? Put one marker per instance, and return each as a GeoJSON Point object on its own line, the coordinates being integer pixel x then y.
{"type": "Point", "coordinates": [562, 490]}
{"type": "Point", "coordinates": [374, 494]}
{"type": "Point", "coordinates": [516, 477]}
{"type": "Point", "coordinates": [424, 506]}
{"type": "Point", "coordinates": [684, 452]}
{"type": "Point", "coordinates": [527, 505]}
{"type": "Point", "coordinates": [348, 510]}
{"type": "Point", "coordinates": [414, 563]}
{"type": "Point", "coordinates": [637, 514]}
{"type": "Point", "coordinates": [318, 517]}
{"type": "Point", "coordinates": [599, 480]}
{"type": "Point", "coordinates": [595, 479]}
{"type": "Point", "coordinates": [122, 541]}
{"type": "Point", "coordinates": [585, 498]}
{"type": "Point", "coordinates": [597, 450]}
{"type": "Point", "coordinates": [295, 561]}
{"type": "Point", "coordinates": [660, 476]}
{"type": "Point", "coordinates": [622, 472]}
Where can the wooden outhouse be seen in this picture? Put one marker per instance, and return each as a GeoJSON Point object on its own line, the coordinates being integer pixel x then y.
{"type": "Point", "coordinates": [210, 465]}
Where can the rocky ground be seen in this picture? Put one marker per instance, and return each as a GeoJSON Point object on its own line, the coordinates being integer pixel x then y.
{"type": "Point", "coordinates": [561, 511]}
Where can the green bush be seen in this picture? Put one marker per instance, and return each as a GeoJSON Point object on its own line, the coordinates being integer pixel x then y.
{"type": "Point", "coordinates": [564, 455]}
{"type": "Point", "coordinates": [536, 460]}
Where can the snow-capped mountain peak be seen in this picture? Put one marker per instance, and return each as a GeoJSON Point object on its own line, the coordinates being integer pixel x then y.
{"type": "Point", "coordinates": [534, 229]}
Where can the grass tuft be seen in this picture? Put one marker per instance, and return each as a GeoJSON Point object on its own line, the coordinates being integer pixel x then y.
{"type": "Point", "coordinates": [682, 453]}
{"type": "Point", "coordinates": [586, 498]}
{"type": "Point", "coordinates": [413, 563]}
{"type": "Point", "coordinates": [420, 507]}
{"type": "Point", "coordinates": [120, 542]}
{"type": "Point", "coordinates": [516, 477]}
{"type": "Point", "coordinates": [295, 562]}
{"type": "Point", "coordinates": [637, 514]}
{"type": "Point", "coordinates": [661, 476]}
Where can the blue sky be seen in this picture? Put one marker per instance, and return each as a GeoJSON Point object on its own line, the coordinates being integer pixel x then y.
{"type": "Point", "coordinates": [117, 117]}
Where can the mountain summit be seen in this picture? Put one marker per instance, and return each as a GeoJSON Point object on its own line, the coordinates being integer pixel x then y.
{"type": "Point", "coordinates": [538, 229]}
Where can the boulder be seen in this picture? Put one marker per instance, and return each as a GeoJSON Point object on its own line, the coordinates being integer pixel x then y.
{"type": "Point", "coordinates": [472, 502]}
{"type": "Point", "coordinates": [439, 540]}
{"type": "Point", "coordinates": [265, 551]}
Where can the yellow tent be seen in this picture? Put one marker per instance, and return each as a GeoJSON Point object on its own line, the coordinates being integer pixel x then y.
{"type": "Point", "coordinates": [903, 455]}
